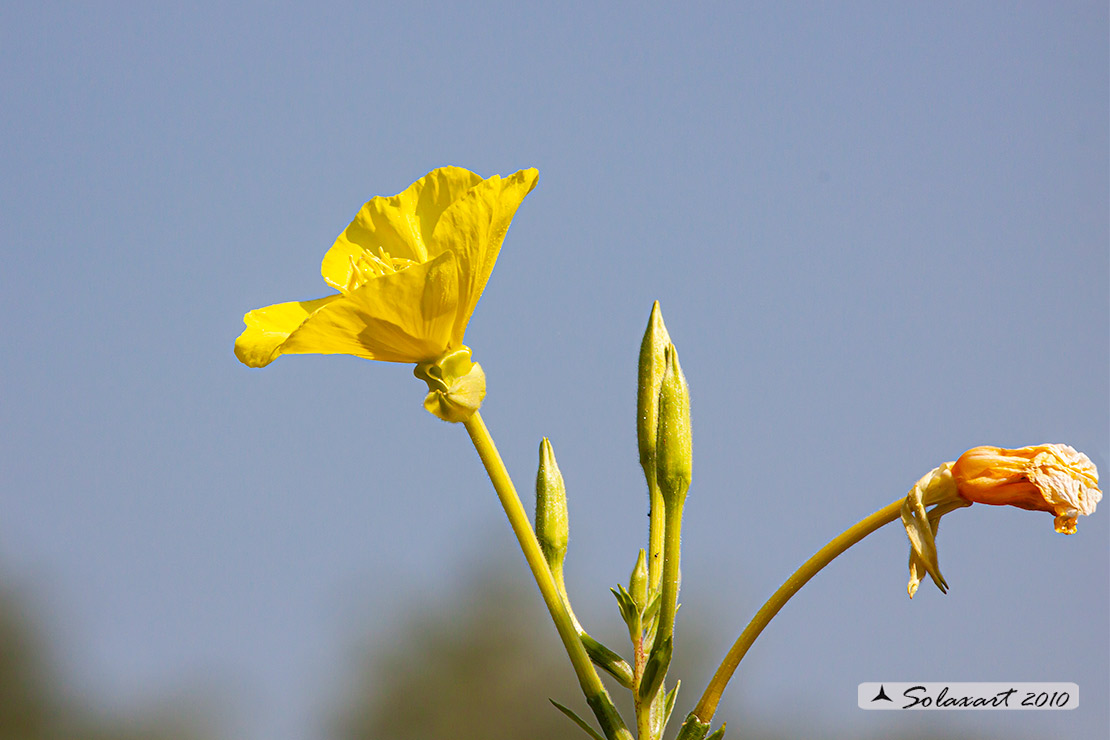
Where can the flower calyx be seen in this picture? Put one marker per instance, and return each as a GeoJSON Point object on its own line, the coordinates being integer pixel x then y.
{"type": "Point", "coordinates": [938, 490]}
{"type": "Point", "coordinates": [456, 385]}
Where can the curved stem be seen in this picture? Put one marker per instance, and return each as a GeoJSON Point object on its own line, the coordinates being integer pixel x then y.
{"type": "Point", "coordinates": [707, 705]}
{"type": "Point", "coordinates": [596, 695]}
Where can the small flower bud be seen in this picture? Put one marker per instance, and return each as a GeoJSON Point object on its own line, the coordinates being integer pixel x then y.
{"type": "Point", "coordinates": [1051, 477]}
{"type": "Point", "coordinates": [652, 365]}
{"type": "Point", "coordinates": [673, 445]}
{"type": "Point", "coordinates": [637, 582]}
{"type": "Point", "coordinates": [552, 528]}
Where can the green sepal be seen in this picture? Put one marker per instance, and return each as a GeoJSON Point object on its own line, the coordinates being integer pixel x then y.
{"type": "Point", "coordinates": [656, 670]}
{"type": "Point", "coordinates": [718, 733]}
{"type": "Point", "coordinates": [625, 603]}
{"type": "Point", "coordinates": [607, 660]}
{"type": "Point", "coordinates": [668, 702]}
{"type": "Point", "coordinates": [577, 720]}
{"type": "Point", "coordinates": [612, 725]}
{"type": "Point", "coordinates": [693, 728]}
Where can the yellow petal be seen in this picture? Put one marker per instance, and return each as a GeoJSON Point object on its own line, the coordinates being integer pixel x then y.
{"type": "Point", "coordinates": [402, 225]}
{"type": "Point", "coordinates": [473, 227]}
{"type": "Point", "coordinates": [405, 316]}
{"type": "Point", "coordinates": [269, 327]}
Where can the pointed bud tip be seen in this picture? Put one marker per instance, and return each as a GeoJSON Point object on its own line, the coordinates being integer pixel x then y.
{"type": "Point", "coordinates": [552, 521]}
{"type": "Point", "coordinates": [637, 582]}
{"type": "Point", "coordinates": [650, 374]}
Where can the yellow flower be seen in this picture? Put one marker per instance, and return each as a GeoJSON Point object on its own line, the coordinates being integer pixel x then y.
{"type": "Point", "coordinates": [409, 270]}
{"type": "Point", "coordinates": [1052, 477]}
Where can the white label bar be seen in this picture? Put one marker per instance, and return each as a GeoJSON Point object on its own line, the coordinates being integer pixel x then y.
{"type": "Point", "coordinates": [967, 695]}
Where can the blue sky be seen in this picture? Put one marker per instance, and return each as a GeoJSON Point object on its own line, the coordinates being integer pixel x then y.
{"type": "Point", "coordinates": [879, 234]}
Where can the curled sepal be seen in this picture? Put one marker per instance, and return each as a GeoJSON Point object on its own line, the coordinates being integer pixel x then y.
{"type": "Point", "coordinates": [718, 733]}
{"type": "Point", "coordinates": [936, 489]}
{"type": "Point", "coordinates": [694, 728]}
{"type": "Point", "coordinates": [456, 386]}
{"type": "Point", "coordinates": [577, 720]}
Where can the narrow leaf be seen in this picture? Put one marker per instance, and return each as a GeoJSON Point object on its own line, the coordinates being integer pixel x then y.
{"type": "Point", "coordinates": [652, 609]}
{"type": "Point", "coordinates": [720, 733]}
{"type": "Point", "coordinates": [656, 670]}
{"type": "Point", "coordinates": [668, 703]}
{"type": "Point", "coordinates": [607, 660]}
{"type": "Point", "coordinates": [577, 720]}
{"type": "Point", "coordinates": [693, 728]}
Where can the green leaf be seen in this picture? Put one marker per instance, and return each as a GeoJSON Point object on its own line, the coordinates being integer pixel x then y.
{"type": "Point", "coordinates": [578, 720]}
{"type": "Point", "coordinates": [693, 728]}
{"type": "Point", "coordinates": [652, 608]}
{"type": "Point", "coordinates": [720, 733]}
{"type": "Point", "coordinates": [668, 703]}
{"type": "Point", "coordinates": [607, 660]}
{"type": "Point", "coordinates": [656, 670]}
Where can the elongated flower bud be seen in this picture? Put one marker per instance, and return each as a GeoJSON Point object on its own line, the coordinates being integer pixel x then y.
{"type": "Point", "coordinates": [652, 365]}
{"type": "Point", "coordinates": [552, 528]}
{"type": "Point", "coordinates": [637, 582]}
{"type": "Point", "coordinates": [673, 443]}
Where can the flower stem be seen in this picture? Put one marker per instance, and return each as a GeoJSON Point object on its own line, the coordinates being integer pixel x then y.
{"type": "Point", "coordinates": [655, 531]}
{"type": "Point", "coordinates": [707, 705]}
{"type": "Point", "coordinates": [671, 553]}
{"type": "Point", "coordinates": [596, 695]}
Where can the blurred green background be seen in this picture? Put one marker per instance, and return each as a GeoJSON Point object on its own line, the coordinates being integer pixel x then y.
{"type": "Point", "coordinates": [476, 663]}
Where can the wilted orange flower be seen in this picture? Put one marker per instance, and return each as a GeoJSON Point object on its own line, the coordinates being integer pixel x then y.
{"type": "Point", "coordinates": [1052, 477]}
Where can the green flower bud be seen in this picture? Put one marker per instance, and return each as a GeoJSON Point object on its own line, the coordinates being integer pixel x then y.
{"type": "Point", "coordinates": [673, 445]}
{"type": "Point", "coordinates": [552, 528]}
{"type": "Point", "coordinates": [652, 365]}
{"type": "Point", "coordinates": [637, 582]}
